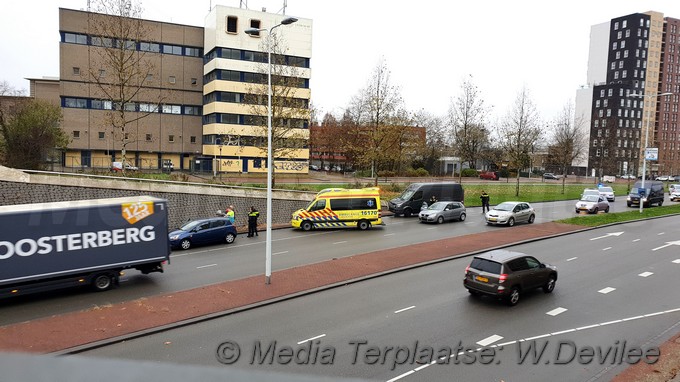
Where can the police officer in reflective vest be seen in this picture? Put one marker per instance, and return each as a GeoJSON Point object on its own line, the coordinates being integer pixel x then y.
{"type": "Point", "coordinates": [252, 221]}
{"type": "Point", "coordinates": [485, 201]}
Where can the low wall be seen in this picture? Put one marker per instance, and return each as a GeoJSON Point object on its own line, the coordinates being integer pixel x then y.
{"type": "Point", "coordinates": [185, 201]}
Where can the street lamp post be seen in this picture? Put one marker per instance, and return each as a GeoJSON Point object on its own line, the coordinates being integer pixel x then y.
{"type": "Point", "coordinates": [644, 158]}
{"type": "Point", "coordinates": [270, 162]}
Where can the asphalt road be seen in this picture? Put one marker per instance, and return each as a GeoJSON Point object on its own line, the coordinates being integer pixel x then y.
{"type": "Point", "coordinates": [616, 285]}
{"type": "Point", "coordinates": [246, 257]}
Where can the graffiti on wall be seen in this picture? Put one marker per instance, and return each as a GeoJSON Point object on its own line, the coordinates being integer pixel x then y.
{"type": "Point", "coordinates": [291, 166]}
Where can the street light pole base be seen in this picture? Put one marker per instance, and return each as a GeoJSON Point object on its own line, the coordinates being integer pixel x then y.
{"type": "Point", "coordinates": [267, 280]}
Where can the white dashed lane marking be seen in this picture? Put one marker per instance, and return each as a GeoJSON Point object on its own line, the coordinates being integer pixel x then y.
{"type": "Point", "coordinates": [340, 242]}
{"type": "Point", "coordinates": [311, 339]}
{"type": "Point", "coordinates": [676, 261]}
{"type": "Point", "coordinates": [573, 258]}
{"type": "Point", "coordinates": [636, 240]}
{"type": "Point", "coordinates": [489, 340]}
{"type": "Point", "coordinates": [206, 266]}
{"type": "Point", "coordinates": [607, 290]}
{"type": "Point", "coordinates": [606, 249]}
{"type": "Point", "coordinates": [556, 311]}
{"type": "Point", "coordinates": [646, 274]}
{"type": "Point", "coordinates": [405, 309]}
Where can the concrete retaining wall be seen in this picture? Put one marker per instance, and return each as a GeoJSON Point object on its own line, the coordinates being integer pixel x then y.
{"type": "Point", "coordinates": [185, 201]}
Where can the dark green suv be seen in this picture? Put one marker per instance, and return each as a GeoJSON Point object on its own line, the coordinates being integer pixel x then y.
{"type": "Point", "coordinates": [505, 274]}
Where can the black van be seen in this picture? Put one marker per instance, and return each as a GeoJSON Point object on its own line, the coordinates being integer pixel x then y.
{"type": "Point", "coordinates": [410, 201]}
{"type": "Point", "coordinates": [653, 193]}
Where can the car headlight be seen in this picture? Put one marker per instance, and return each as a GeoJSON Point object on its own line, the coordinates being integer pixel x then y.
{"type": "Point", "coordinates": [174, 237]}
{"type": "Point", "coordinates": [644, 199]}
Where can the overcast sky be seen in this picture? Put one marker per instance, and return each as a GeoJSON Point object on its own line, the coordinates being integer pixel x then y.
{"type": "Point", "coordinates": [429, 46]}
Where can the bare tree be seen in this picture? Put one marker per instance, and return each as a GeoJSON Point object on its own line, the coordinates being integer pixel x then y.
{"type": "Point", "coordinates": [437, 141]}
{"type": "Point", "coordinates": [289, 113]}
{"type": "Point", "coordinates": [569, 141]}
{"type": "Point", "coordinates": [519, 132]}
{"type": "Point", "coordinates": [123, 75]}
{"type": "Point", "coordinates": [373, 109]}
{"type": "Point", "coordinates": [467, 114]}
{"type": "Point", "coordinates": [8, 90]}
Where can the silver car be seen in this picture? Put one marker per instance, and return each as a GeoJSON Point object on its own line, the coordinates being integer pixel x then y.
{"type": "Point", "coordinates": [439, 212]}
{"type": "Point", "coordinates": [592, 204]}
{"type": "Point", "coordinates": [608, 193]}
{"type": "Point", "coordinates": [510, 213]}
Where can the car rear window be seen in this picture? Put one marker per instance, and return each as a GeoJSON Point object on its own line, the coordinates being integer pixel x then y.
{"type": "Point", "coordinates": [486, 265]}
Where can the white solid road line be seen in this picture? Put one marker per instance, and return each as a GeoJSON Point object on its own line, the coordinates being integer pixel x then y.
{"type": "Point", "coordinates": [405, 309]}
{"type": "Point", "coordinates": [206, 266]}
{"type": "Point", "coordinates": [311, 339]}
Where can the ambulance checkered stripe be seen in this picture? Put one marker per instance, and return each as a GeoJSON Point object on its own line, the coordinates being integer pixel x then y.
{"type": "Point", "coordinates": [328, 225]}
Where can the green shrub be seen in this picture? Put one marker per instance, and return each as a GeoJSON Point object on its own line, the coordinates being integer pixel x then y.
{"type": "Point", "coordinates": [386, 173]}
{"type": "Point", "coordinates": [422, 172]}
{"type": "Point", "coordinates": [470, 173]}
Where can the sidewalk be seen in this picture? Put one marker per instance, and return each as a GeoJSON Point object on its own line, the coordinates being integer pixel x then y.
{"type": "Point", "coordinates": [57, 333]}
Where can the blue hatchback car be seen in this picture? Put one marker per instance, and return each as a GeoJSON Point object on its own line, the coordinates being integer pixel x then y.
{"type": "Point", "coordinates": [203, 231]}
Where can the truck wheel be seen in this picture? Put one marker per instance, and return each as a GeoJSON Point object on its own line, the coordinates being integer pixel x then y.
{"type": "Point", "coordinates": [407, 213]}
{"type": "Point", "coordinates": [306, 226]}
{"type": "Point", "coordinates": [185, 244]}
{"type": "Point", "coordinates": [230, 238]}
{"type": "Point", "coordinates": [103, 281]}
{"type": "Point", "coordinates": [660, 203]}
{"type": "Point", "coordinates": [363, 225]}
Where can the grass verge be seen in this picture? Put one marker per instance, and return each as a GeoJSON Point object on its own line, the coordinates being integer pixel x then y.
{"type": "Point", "coordinates": [618, 217]}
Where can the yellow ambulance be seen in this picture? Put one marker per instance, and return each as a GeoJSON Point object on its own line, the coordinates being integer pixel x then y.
{"type": "Point", "coordinates": [341, 207]}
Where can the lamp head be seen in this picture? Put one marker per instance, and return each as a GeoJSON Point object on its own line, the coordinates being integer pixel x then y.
{"type": "Point", "coordinates": [253, 31]}
{"type": "Point", "coordinates": [288, 20]}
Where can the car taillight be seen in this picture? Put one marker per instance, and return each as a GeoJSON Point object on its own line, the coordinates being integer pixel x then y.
{"type": "Point", "coordinates": [502, 278]}
{"type": "Point", "coordinates": [467, 269]}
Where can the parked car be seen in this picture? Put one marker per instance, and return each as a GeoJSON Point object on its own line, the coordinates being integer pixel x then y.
{"type": "Point", "coordinates": [203, 231]}
{"type": "Point", "coordinates": [663, 178]}
{"type": "Point", "coordinates": [168, 165]}
{"type": "Point", "coordinates": [550, 175]}
{"type": "Point", "coordinates": [491, 175]}
{"type": "Point", "coordinates": [314, 167]}
{"type": "Point", "coordinates": [118, 166]}
{"type": "Point", "coordinates": [411, 200]}
{"type": "Point", "coordinates": [505, 274]}
{"type": "Point", "coordinates": [673, 187]}
{"type": "Point", "coordinates": [629, 176]}
{"type": "Point", "coordinates": [592, 204]}
{"type": "Point", "coordinates": [510, 213]}
{"type": "Point", "coordinates": [440, 212]}
{"type": "Point", "coordinates": [608, 193]}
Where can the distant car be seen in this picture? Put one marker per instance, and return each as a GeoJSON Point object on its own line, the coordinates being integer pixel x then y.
{"type": "Point", "coordinates": [168, 165]}
{"type": "Point", "coordinates": [203, 231]}
{"type": "Point", "coordinates": [673, 187]}
{"type": "Point", "coordinates": [629, 176]}
{"type": "Point", "coordinates": [491, 175]}
{"type": "Point", "coordinates": [550, 175]}
{"type": "Point", "coordinates": [608, 193]}
{"type": "Point", "coordinates": [118, 166]}
{"type": "Point", "coordinates": [510, 213]}
{"type": "Point", "coordinates": [590, 191]}
{"type": "Point", "coordinates": [314, 167]}
{"type": "Point", "coordinates": [592, 204]}
{"type": "Point", "coordinates": [439, 212]}
{"type": "Point", "coordinates": [675, 195]}
{"type": "Point", "coordinates": [505, 274]}
{"type": "Point", "coordinates": [662, 178]}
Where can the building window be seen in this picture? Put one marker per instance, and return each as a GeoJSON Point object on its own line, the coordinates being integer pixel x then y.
{"type": "Point", "coordinates": [172, 49]}
{"type": "Point", "coordinates": [171, 138]}
{"type": "Point", "coordinates": [231, 24]}
{"type": "Point", "coordinates": [102, 73]}
{"type": "Point", "coordinates": [76, 71]}
{"type": "Point", "coordinates": [102, 135]}
{"type": "Point", "coordinates": [172, 79]}
{"type": "Point", "coordinates": [194, 81]}
{"type": "Point", "coordinates": [255, 24]}
{"type": "Point", "coordinates": [616, 26]}
{"type": "Point", "coordinates": [79, 103]}
{"type": "Point", "coordinates": [150, 47]}
{"type": "Point", "coordinates": [76, 134]}
{"type": "Point", "coordinates": [192, 139]}
{"type": "Point", "coordinates": [149, 77]}
{"type": "Point", "coordinates": [148, 137]}
{"type": "Point", "coordinates": [615, 45]}
{"type": "Point", "coordinates": [610, 92]}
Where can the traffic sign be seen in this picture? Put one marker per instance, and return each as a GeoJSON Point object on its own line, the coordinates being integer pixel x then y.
{"type": "Point", "coordinates": [651, 153]}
